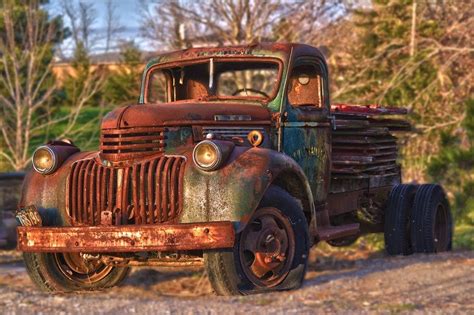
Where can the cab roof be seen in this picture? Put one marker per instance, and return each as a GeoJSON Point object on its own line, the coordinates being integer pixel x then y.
{"type": "Point", "coordinates": [281, 51]}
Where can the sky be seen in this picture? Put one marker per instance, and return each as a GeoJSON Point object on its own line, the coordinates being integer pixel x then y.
{"type": "Point", "coordinates": [127, 12]}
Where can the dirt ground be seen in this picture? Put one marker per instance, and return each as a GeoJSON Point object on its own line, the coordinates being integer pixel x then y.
{"type": "Point", "coordinates": [351, 281]}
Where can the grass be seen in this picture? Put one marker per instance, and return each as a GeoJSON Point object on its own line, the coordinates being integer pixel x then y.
{"type": "Point", "coordinates": [464, 237]}
{"type": "Point", "coordinates": [85, 133]}
{"type": "Point", "coordinates": [398, 308]}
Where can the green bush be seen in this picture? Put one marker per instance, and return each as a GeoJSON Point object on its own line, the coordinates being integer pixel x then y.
{"type": "Point", "coordinates": [464, 237]}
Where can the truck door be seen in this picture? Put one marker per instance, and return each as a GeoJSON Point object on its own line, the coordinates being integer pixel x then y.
{"type": "Point", "coordinates": [306, 124]}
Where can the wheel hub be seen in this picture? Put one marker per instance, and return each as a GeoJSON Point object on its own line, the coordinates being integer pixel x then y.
{"type": "Point", "coordinates": [267, 248]}
{"type": "Point", "coordinates": [75, 267]}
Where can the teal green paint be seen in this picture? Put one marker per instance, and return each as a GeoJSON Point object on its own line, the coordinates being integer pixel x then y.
{"type": "Point", "coordinates": [177, 137]}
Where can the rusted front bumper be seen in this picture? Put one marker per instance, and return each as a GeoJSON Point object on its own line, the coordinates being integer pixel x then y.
{"type": "Point", "coordinates": [126, 238]}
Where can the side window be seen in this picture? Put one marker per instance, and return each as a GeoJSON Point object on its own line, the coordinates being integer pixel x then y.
{"type": "Point", "coordinates": [158, 87]}
{"type": "Point", "coordinates": [305, 86]}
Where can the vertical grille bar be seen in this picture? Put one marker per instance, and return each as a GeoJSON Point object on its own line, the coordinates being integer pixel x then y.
{"type": "Point", "coordinates": [80, 192]}
{"type": "Point", "coordinates": [92, 206]}
{"type": "Point", "coordinates": [73, 187]}
{"type": "Point", "coordinates": [86, 205]}
{"type": "Point", "coordinates": [125, 197]}
{"type": "Point", "coordinates": [100, 171]}
{"type": "Point", "coordinates": [142, 194]}
{"type": "Point", "coordinates": [180, 185]}
{"type": "Point", "coordinates": [110, 190]}
{"type": "Point", "coordinates": [146, 193]}
{"type": "Point", "coordinates": [103, 185]}
{"type": "Point", "coordinates": [135, 193]}
{"type": "Point", "coordinates": [164, 186]}
{"type": "Point", "coordinates": [150, 188]}
{"type": "Point", "coordinates": [173, 187]}
{"type": "Point", "coordinates": [158, 175]}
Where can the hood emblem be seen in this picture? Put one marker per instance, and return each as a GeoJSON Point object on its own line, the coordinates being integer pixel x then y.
{"type": "Point", "coordinates": [232, 117]}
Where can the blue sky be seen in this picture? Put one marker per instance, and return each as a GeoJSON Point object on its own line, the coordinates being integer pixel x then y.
{"type": "Point", "coordinates": [127, 12]}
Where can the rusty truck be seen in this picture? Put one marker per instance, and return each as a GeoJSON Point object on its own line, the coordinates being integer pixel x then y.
{"type": "Point", "coordinates": [235, 159]}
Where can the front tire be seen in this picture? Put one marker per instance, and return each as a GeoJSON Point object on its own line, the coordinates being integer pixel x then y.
{"type": "Point", "coordinates": [271, 253]}
{"type": "Point", "coordinates": [69, 272]}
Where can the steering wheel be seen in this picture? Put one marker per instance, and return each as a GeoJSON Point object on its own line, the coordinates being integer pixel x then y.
{"type": "Point", "coordinates": [251, 90]}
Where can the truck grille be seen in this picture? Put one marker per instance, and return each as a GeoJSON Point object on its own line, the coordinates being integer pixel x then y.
{"type": "Point", "coordinates": [145, 193]}
{"type": "Point", "coordinates": [124, 144]}
{"type": "Point", "coordinates": [227, 133]}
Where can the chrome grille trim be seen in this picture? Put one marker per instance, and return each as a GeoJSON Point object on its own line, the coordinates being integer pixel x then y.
{"type": "Point", "coordinates": [229, 132]}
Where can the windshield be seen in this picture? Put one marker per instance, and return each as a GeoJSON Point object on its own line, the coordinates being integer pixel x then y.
{"type": "Point", "coordinates": [213, 79]}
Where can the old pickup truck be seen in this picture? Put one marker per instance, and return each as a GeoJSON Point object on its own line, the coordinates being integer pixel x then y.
{"type": "Point", "coordinates": [235, 159]}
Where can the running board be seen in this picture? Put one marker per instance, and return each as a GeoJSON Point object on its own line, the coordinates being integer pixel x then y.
{"type": "Point", "coordinates": [332, 232]}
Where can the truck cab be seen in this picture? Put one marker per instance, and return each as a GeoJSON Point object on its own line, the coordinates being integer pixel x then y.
{"type": "Point", "coordinates": [233, 158]}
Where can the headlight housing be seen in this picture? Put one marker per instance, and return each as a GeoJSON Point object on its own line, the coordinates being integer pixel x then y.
{"type": "Point", "coordinates": [209, 155]}
{"type": "Point", "coordinates": [45, 160]}
{"type": "Point", "coordinates": [48, 158]}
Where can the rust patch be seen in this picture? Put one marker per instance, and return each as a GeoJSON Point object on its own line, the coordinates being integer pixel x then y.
{"type": "Point", "coordinates": [128, 238]}
{"type": "Point", "coordinates": [153, 196]}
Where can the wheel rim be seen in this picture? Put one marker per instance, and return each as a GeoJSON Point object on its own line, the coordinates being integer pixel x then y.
{"type": "Point", "coordinates": [77, 269]}
{"type": "Point", "coordinates": [267, 248]}
{"type": "Point", "coordinates": [441, 229]}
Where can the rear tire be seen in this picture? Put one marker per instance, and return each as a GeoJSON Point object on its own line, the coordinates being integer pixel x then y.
{"type": "Point", "coordinates": [270, 254]}
{"type": "Point", "coordinates": [397, 220]}
{"type": "Point", "coordinates": [432, 225]}
{"type": "Point", "coordinates": [66, 273]}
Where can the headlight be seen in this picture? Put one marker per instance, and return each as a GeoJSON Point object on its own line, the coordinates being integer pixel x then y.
{"type": "Point", "coordinates": [45, 160]}
{"type": "Point", "coordinates": [207, 155]}
{"type": "Point", "coordinates": [48, 158]}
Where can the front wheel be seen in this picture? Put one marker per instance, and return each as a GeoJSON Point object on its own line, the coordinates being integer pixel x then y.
{"type": "Point", "coordinates": [69, 272]}
{"type": "Point", "coordinates": [271, 253]}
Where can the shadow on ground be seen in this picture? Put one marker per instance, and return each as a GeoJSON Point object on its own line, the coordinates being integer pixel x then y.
{"type": "Point", "coordinates": [323, 267]}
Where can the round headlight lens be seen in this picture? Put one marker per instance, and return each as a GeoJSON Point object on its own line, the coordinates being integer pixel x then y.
{"type": "Point", "coordinates": [207, 155]}
{"type": "Point", "coordinates": [44, 160]}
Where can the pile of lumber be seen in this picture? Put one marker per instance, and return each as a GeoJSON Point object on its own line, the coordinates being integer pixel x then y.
{"type": "Point", "coordinates": [363, 144]}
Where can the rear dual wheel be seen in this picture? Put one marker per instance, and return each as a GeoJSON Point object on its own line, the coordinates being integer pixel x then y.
{"type": "Point", "coordinates": [397, 227]}
{"type": "Point", "coordinates": [417, 219]}
{"type": "Point", "coordinates": [269, 254]}
{"type": "Point", "coordinates": [432, 225]}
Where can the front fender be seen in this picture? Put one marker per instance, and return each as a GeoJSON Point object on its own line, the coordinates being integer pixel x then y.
{"type": "Point", "coordinates": [233, 192]}
{"type": "Point", "coordinates": [47, 192]}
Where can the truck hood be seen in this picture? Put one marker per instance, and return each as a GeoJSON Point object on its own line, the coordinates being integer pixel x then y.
{"type": "Point", "coordinates": [175, 114]}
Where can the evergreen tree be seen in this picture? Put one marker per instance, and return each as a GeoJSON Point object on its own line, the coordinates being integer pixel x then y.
{"type": "Point", "coordinates": [123, 86]}
{"type": "Point", "coordinates": [383, 69]}
{"type": "Point", "coordinates": [77, 83]}
{"type": "Point", "coordinates": [398, 62]}
{"type": "Point", "coordinates": [454, 166]}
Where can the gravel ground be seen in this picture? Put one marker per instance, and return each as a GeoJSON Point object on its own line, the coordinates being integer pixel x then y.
{"type": "Point", "coordinates": [342, 282]}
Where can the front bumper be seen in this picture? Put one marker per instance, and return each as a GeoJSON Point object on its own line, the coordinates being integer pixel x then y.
{"type": "Point", "coordinates": [126, 238]}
